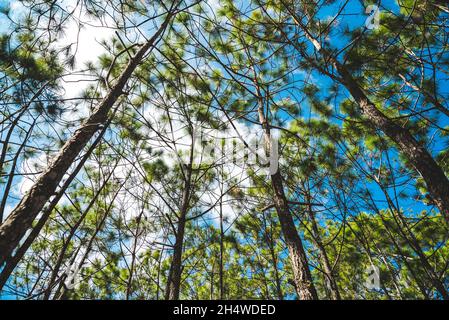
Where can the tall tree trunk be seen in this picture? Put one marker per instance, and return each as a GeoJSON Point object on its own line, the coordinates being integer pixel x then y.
{"type": "Point", "coordinates": [68, 240]}
{"type": "Point", "coordinates": [159, 273]}
{"type": "Point", "coordinates": [5, 151]}
{"type": "Point", "coordinates": [13, 125]}
{"type": "Point", "coordinates": [21, 218]}
{"type": "Point", "coordinates": [392, 234]}
{"type": "Point", "coordinates": [12, 262]}
{"type": "Point", "coordinates": [329, 276]}
{"type": "Point", "coordinates": [301, 273]}
{"type": "Point", "coordinates": [302, 276]}
{"type": "Point", "coordinates": [269, 239]}
{"type": "Point", "coordinates": [410, 238]}
{"type": "Point", "coordinates": [12, 171]}
{"type": "Point", "coordinates": [221, 267]}
{"type": "Point", "coordinates": [212, 279]}
{"type": "Point", "coordinates": [63, 291]}
{"type": "Point", "coordinates": [129, 284]}
{"type": "Point", "coordinates": [175, 272]}
{"type": "Point", "coordinates": [418, 156]}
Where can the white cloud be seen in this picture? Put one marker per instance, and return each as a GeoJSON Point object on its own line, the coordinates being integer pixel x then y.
{"type": "Point", "coordinates": [84, 34]}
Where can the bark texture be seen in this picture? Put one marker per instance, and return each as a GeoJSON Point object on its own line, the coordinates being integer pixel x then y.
{"type": "Point", "coordinates": [417, 155]}
{"type": "Point", "coordinates": [21, 218]}
{"type": "Point", "coordinates": [174, 277]}
{"type": "Point", "coordinates": [302, 277]}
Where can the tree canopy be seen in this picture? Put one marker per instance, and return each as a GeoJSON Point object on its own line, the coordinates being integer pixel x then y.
{"type": "Point", "coordinates": [235, 149]}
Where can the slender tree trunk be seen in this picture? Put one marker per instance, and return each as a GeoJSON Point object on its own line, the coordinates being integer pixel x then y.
{"type": "Point", "coordinates": [68, 240]}
{"type": "Point", "coordinates": [5, 151]}
{"type": "Point", "coordinates": [12, 171]}
{"type": "Point", "coordinates": [221, 271]}
{"type": "Point", "coordinates": [20, 220]}
{"type": "Point", "coordinates": [129, 286]}
{"type": "Point", "coordinates": [394, 239]}
{"type": "Point", "coordinates": [62, 292]}
{"type": "Point", "coordinates": [298, 258]}
{"type": "Point", "coordinates": [410, 238]}
{"type": "Point", "coordinates": [175, 273]}
{"type": "Point", "coordinates": [392, 273]}
{"type": "Point", "coordinates": [212, 279]}
{"type": "Point", "coordinates": [416, 276]}
{"type": "Point", "coordinates": [274, 259]}
{"type": "Point", "coordinates": [13, 126]}
{"type": "Point", "coordinates": [277, 278]}
{"type": "Point", "coordinates": [329, 276]}
{"type": "Point", "coordinates": [159, 272]}
{"type": "Point", "coordinates": [12, 262]}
